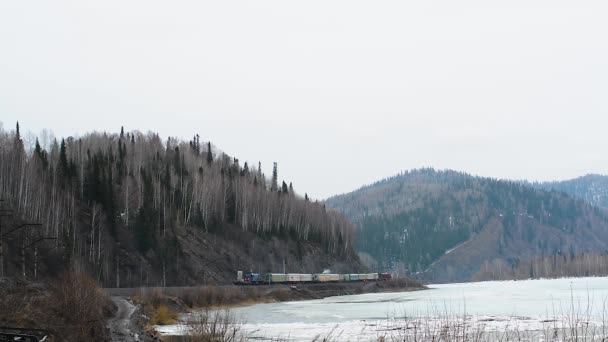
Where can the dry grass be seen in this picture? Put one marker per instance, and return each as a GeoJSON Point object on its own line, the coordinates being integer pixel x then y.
{"type": "Point", "coordinates": [72, 308]}
{"type": "Point", "coordinates": [215, 296]}
{"type": "Point", "coordinates": [210, 326]}
{"type": "Point", "coordinates": [163, 315]}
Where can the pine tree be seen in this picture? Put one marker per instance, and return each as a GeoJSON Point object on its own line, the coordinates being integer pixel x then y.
{"type": "Point", "coordinates": [209, 153]}
{"type": "Point", "coordinates": [18, 142]}
{"type": "Point", "coordinates": [17, 133]}
{"type": "Point", "coordinates": [40, 154]}
{"type": "Point", "coordinates": [275, 175]}
{"type": "Point", "coordinates": [284, 188]}
{"type": "Point", "coordinates": [63, 160]}
{"type": "Point", "coordinates": [38, 149]}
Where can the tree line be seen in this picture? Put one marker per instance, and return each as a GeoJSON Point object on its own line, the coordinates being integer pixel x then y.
{"type": "Point", "coordinates": [558, 265]}
{"type": "Point", "coordinates": [102, 193]}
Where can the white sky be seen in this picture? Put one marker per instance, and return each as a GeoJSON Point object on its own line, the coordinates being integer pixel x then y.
{"type": "Point", "coordinates": [339, 92]}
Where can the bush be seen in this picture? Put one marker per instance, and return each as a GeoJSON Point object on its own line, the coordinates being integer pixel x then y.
{"type": "Point", "coordinates": [79, 307]}
{"type": "Point", "coordinates": [213, 326]}
{"type": "Point", "coordinates": [163, 316]}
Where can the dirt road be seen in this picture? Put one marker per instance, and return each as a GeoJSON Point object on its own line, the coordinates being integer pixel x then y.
{"type": "Point", "coordinates": [121, 325]}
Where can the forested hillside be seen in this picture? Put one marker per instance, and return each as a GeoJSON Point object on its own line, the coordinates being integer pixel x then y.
{"type": "Point", "coordinates": [592, 189]}
{"type": "Point", "coordinates": [132, 209]}
{"type": "Point", "coordinates": [443, 225]}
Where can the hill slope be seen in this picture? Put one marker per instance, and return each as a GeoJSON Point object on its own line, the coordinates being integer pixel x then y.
{"type": "Point", "coordinates": [132, 210]}
{"type": "Point", "coordinates": [592, 189]}
{"type": "Point", "coordinates": [443, 225]}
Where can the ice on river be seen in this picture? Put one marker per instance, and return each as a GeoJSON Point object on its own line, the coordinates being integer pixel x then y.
{"type": "Point", "coordinates": [527, 305]}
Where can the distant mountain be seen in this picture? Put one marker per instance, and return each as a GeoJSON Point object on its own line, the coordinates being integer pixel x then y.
{"type": "Point", "coordinates": [443, 225]}
{"type": "Point", "coordinates": [591, 188]}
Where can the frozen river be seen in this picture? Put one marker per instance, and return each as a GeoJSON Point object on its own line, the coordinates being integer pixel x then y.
{"type": "Point", "coordinates": [528, 305]}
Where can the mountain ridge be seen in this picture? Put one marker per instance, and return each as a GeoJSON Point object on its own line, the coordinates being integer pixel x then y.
{"type": "Point", "coordinates": [409, 221]}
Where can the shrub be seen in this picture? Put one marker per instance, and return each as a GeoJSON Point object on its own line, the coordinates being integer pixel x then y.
{"type": "Point", "coordinates": [213, 326]}
{"type": "Point", "coordinates": [163, 316]}
{"type": "Point", "coordinates": [79, 307]}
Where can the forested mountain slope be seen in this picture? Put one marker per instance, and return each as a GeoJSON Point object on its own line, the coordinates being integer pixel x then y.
{"type": "Point", "coordinates": [131, 210]}
{"type": "Point", "coordinates": [591, 188]}
{"type": "Point", "coordinates": [443, 225]}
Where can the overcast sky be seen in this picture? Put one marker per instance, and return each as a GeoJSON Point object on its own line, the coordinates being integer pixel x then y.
{"type": "Point", "coordinates": [339, 93]}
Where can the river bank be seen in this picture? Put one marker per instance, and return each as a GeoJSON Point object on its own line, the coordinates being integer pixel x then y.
{"type": "Point", "coordinates": [571, 309]}
{"type": "Point", "coordinates": [161, 306]}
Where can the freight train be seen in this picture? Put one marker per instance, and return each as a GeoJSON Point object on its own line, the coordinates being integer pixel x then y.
{"type": "Point", "coordinates": [299, 278]}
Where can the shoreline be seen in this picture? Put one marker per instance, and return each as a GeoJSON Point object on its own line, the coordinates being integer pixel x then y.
{"type": "Point", "coordinates": [182, 301]}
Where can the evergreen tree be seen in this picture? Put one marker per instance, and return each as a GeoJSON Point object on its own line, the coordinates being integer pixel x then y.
{"type": "Point", "coordinates": [284, 188]}
{"type": "Point", "coordinates": [275, 175]}
{"type": "Point", "coordinates": [145, 223]}
{"type": "Point", "coordinates": [38, 152]}
{"type": "Point", "coordinates": [63, 160]}
{"type": "Point", "coordinates": [17, 133]}
{"type": "Point", "coordinates": [209, 153]}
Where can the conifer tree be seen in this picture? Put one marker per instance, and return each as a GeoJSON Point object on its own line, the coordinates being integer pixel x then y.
{"type": "Point", "coordinates": [275, 175]}
{"type": "Point", "coordinates": [209, 153]}
{"type": "Point", "coordinates": [38, 149]}
{"type": "Point", "coordinates": [63, 159]}
{"type": "Point", "coordinates": [17, 133]}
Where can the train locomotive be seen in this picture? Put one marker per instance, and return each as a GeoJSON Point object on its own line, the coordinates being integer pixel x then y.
{"type": "Point", "coordinates": [303, 278]}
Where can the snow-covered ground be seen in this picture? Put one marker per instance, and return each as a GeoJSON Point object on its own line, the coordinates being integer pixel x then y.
{"type": "Point", "coordinates": [528, 305]}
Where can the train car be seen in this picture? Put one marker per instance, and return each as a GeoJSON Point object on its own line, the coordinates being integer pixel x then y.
{"type": "Point", "coordinates": [306, 278]}
{"type": "Point", "coordinates": [386, 276]}
{"type": "Point", "coordinates": [298, 277]}
{"type": "Point", "coordinates": [325, 278]}
{"type": "Point", "coordinates": [270, 278]}
{"type": "Point", "coordinates": [252, 278]}
{"type": "Point", "coordinates": [368, 276]}
{"type": "Point", "coordinates": [294, 278]}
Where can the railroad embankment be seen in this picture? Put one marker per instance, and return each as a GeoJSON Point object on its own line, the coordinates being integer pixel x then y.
{"type": "Point", "coordinates": [235, 295]}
